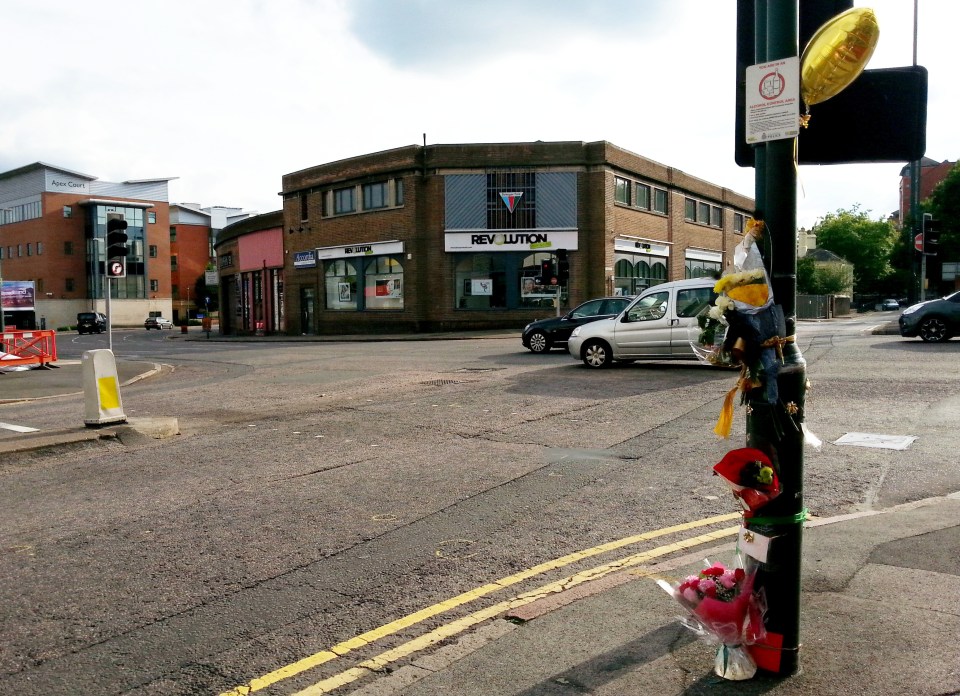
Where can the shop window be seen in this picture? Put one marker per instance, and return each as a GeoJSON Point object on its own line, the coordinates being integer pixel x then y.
{"type": "Point", "coordinates": [634, 273]}
{"type": "Point", "coordinates": [695, 268]}
{"type": "Point", "coordinates": [533, 294]}
{"type": "Point", "coordinates": [341, 284]}
{"type": "Point", "coordinates": [481, 281]}
{"type": "Point", "coordinates": [383, 283]}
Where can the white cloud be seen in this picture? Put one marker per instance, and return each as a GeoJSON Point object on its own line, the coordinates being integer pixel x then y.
{"type": "Point", "coordinates": [231, 95]}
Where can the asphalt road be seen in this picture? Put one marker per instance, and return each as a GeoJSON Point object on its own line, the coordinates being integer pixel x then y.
{"type": "Point", "coordinates": [320, 491]}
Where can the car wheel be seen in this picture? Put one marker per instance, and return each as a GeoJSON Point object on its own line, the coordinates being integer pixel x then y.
{"type": "Point", "coordinates": [933, 330]}
{"type": "Point", "coordinates": [597, 354]}
{"type": "Point", "coordinates": [539, 343]}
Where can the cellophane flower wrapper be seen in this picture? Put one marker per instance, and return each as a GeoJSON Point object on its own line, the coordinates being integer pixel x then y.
{"type": "Point", "coordinates": [733, 617]}
{"type": "Point", "coordinates": [707, 340]}
{"type": "Point", "coordinates": [747, 284]}
{"type": "Point", "coordinates": [751, 477]}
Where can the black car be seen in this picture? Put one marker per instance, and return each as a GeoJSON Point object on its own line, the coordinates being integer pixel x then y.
{"type": "Point", "coordinates": [544, 334]}
{"type": "Point", "coordinates": [933, 320]}
{"type": "Point", "coordinates": [91, 322]}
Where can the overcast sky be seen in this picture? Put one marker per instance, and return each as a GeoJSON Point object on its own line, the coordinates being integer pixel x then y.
{"type": "Point", "coordinates": [230, 95]}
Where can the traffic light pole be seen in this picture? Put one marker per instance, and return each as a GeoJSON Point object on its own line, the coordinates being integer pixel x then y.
{"type": "Point", "coordinates": [775, 427]}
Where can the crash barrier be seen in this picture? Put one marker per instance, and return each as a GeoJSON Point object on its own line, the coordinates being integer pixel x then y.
{"type": "Point", "coordinates": [28, 348]}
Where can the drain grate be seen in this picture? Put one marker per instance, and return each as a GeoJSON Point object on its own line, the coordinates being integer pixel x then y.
{"type": "Point", "coordinates": [443, 382]}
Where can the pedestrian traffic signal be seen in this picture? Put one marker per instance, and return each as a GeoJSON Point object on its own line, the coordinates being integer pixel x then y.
{"type": "Point", "coordinates": [563, 266]}
{"type": "Point", "coordinates": [116, 237]}
{"type": "Point", "coordinates": [546, 270]}
{"type": "Point", "coordinates": [931, 235]}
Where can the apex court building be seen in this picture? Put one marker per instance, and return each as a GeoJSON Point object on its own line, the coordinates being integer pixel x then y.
{"type": "Point", "coordinates": [471, 236]}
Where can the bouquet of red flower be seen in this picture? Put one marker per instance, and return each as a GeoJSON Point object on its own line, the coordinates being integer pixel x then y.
{"type": "Point", "coordinates": [751, 477]}
{"type": "Point", "coordinates": [722, 605]}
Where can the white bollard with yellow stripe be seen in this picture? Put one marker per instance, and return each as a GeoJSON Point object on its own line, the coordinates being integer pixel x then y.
{"type": "Point", "coordinates": [101, 388]}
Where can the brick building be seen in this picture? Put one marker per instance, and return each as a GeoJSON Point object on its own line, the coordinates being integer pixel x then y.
{"type": "Point", "coordinates": [52, 239]}
{"type": "Point", "coordinates": [447, 237]}
{"type": "Point", "coordinates": [931, 173]}
{"type": "Point", "coordinates": [193, 230]}
{"type": "Point", "coordinates": [250, 259]}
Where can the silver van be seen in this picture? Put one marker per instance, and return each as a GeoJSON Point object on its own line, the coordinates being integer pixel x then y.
{"type": "Point", "coordinates": [657, 325]}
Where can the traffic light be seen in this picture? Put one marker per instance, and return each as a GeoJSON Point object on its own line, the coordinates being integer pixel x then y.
{"type": "Point", "coordinates": [116, 266]}
{"type": "Point", "coordinates": [931, 235]}
{"type": "Point", "coordinates": [116, 236]}
{"type": "Point", "coordinates": [563, 266]}
{"type": "Point", "coordinates": [894, 101]}
{"type": "Point", "coordinates": [546, 270]}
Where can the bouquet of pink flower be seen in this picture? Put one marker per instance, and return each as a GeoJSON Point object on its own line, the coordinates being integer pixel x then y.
{"type": "Point", "coordinates": [722, 606]}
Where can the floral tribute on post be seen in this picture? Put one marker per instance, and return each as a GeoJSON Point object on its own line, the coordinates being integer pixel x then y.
{"type": "Point", "coordinates": [722, 607]}
{"type": "Point", "coordinates": [742, 329]}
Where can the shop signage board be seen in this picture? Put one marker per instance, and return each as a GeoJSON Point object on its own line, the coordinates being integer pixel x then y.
{"type": "Point", "coordinates": [511, 240]}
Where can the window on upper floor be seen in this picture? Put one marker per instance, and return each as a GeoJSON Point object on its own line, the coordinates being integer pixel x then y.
{"type": "Point", "coordinates": [398, 192]}
{"type": "Point", "coordinates": [153, 251]}
{"type": "Point", "coordinates": [375, 195]}
{"type": "Point", "coordinates": [660, 200]}
{"type": "Point", "coordinates": [68, 248]}
{"type": "Point", "coordinates": [642, 196]}
{"type": "Point", "coordinates": [702, 213]}
{"type": "Point", "coordinates": [621, 190]}
{"type": "Point", "coordinates": [151, 217]}
{"type": "Point", "coordinates": [304, 206]}
{"type": "Point", "coordinates": [344, 201]}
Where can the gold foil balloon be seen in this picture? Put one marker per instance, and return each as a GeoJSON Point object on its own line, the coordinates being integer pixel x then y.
{"type": "Point", "coordinates": [837, 54]}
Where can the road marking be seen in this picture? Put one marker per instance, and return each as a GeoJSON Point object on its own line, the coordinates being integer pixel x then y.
{"type": "Point", "coordinates": [379, 662]}
{"type": "Point", "coordinates": [18, 428]}
{"type": "Point", "coordinates": [398, 625]}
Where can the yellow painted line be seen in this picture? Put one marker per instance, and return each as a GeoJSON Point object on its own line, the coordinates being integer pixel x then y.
{"type": "Point", "coordinates": [375, 634]}
{"type": "Point", "coordinates": [379, 662]}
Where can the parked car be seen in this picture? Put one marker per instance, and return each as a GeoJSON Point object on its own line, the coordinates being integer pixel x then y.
{"type": "Point", "coordinates": [91, 322]}
{"type": "Point", "coordinates": [157, 323]}
{"type": "Point", "coordinates": [542, 335]}
{"type": "Point", "coordinates": [655, 326]}
{"type": "Point", "coordinates": [889, 304]}
{"type": "Point", "coordinates": [933, 320]}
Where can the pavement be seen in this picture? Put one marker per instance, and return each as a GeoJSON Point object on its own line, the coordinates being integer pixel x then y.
{"type": "Point", "coordinates": [879, 608]}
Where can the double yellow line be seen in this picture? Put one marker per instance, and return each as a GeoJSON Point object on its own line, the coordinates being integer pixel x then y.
{"type": "Point", "coordinates": [460, 625]}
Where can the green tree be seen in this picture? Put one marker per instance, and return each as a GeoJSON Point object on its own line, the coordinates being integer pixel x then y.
{"type": "Point", "coordinates": [944, 205]}
{"type": "Point", "coordinates": [821, 278]}
{"type": "Point", "coordinates": [865, 243]}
